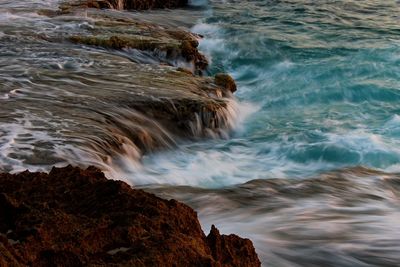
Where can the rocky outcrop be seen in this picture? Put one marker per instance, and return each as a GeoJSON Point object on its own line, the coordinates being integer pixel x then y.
{"type": "Point", "coordinates": [168, 48]}
{"type": "Point", "coordinates": [136, 4]}
{"type": "Point", "coordinates": [172, 46]}
{"type": "Point", "coordinates": [159, 99]}
{"type": "Point", "coordinates": [225, 81]}
{"type": "Point", "coordinates": [67, 5]}
{"type": "Point", "coordinates": [75, 217]}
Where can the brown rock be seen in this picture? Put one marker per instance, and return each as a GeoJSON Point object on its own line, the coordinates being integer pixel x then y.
{"type": "Point", "coordinates": [225, 81]}
{"type": "Point", "coordinates": [136, 4]}
{"type": "Point", "coordinates": [75, 217]}
{"type": "Point", "coordinates": [227, 248]}
{"type": "Point", "coordinates": [152, 40]}
{"type": "Point", "coordinates": [184, 70]}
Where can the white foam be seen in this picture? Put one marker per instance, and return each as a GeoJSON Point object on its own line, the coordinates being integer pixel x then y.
{"type": "Point", "coordinates": [206, 29]}
{"type": "Point", "coordinates": [284, 65]}
{"type": "Point", "coordinates": [212, 42]}
{"type": "Point", "coordinates": [226, 162]}
{"type": "Point", "coordinates": [362, 141]}
{"type": "Point", "coordinates": [21, 137]}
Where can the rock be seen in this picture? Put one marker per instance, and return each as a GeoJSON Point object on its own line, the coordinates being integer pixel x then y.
{"type": "Point", "coordinates": [136, 4]}
{"type": "Point", "coordinates": [225, 81]}
{"type": "Point", "coordinates": [75, 217]}
{"type": "Point", "coordinates": [168, 44]}
{"type": "Point", "coordinates": [187, 71]}
{"type": "Point", "coordinates": [143, 100]}
{"type": "Point", "coordinates": [172, 49]}
{"type": "Point", "coordinates": [122, 4]}
{"type": "Point", "coordinates": [226, 248]}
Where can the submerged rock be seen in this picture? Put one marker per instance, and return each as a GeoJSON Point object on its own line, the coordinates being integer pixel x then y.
{"type": "Point", "coordinates": [75, 217]}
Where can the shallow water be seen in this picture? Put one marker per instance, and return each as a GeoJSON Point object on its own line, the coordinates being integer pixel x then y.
{"type": "Point", "coordinates": [318, 86]}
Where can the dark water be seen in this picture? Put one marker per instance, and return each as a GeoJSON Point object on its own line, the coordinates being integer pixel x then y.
{"type": "Point", "coordinates": [318, 98]}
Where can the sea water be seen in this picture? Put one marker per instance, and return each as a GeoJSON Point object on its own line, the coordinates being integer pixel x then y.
{"type": "Point", "coordinates": [310, 171]}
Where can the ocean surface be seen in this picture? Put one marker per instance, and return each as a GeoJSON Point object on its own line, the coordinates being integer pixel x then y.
{"type": "Point", "coordinates": [311, 173]}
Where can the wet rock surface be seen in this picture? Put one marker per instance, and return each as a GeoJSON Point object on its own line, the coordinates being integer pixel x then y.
{"type": "Point", "coordinates": [136, 4]}
{"type": "Point", "coordinates": [75, 217]}
{"type": "Point", "coordinates": [172, 46]}
{"type": "Point", "coordinates": [68, 5]}
{"type": "Point", "coordinates": [109, 84]}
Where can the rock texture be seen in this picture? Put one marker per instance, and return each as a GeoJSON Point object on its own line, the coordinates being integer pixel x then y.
{"type": "Point", "coordinates": [170, 46]}
{"type": "Point", "coordinates": [75, 217]}
{"type": "Point", "coordinates": [226, 81]}
{"type": "Point", "coordinates": [67, 5]}
{"type": "Point", "coordinates": [136, 4]}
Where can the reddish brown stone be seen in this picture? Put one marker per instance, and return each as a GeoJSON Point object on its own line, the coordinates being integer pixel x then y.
{"type": "Point", "coordinates": [74, 217]}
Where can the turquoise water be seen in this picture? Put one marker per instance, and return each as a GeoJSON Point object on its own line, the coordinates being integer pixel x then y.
{"type": "Point", "coordinates": [320, 82]}
{"type": "Point", "coordinates": [319, 98]}
{"type": "Point", "coordinates": [326, 76]}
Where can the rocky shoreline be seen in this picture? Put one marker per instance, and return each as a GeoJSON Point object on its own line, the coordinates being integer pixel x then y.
{"type": "Point", "coordinates": [77, 217]}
